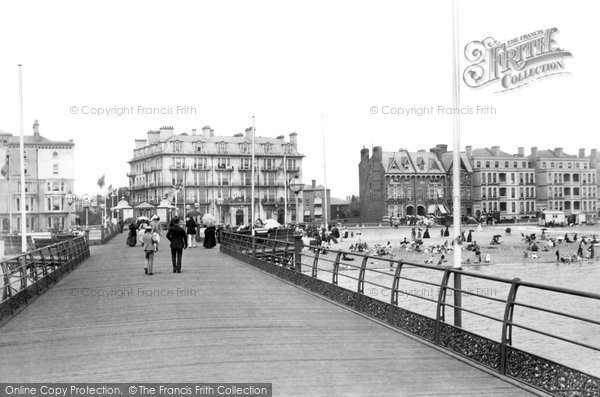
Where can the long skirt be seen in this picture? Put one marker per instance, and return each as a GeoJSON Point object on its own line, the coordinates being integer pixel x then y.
{"type": "Point", "coordinates": [210, 239]}
{"type": "Point", "coordinates": [132, 239]}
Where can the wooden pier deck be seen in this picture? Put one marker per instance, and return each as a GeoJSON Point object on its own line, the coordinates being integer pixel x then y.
{"type": "Point", "coordinates": [218, 321]}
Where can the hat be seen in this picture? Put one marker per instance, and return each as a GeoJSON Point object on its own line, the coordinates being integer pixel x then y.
{"type": "Point", "coordinates": [148, 227]}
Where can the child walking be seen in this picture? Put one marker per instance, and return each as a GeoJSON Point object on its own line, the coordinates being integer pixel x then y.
{"type": "Point", "coordinates": [149, 248]}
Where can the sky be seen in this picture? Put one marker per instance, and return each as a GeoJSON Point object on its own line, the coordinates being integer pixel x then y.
{"type": "Point", "coordinates": [304, 67]}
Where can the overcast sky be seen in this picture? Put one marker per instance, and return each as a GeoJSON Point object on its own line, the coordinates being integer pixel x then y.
{"type": "Point", "coordinates": [287, 63]}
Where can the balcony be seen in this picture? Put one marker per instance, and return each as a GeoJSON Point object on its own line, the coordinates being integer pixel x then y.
{"type": "Point", "coordinates": [222, 167]}
{"type": "Point", "coordinates": [178, 168]}
{"type": "Point", "coordinates": [269, 169]}
{"type": "Point", "coordinates": [268, 201]}
{"type": "Point", "coordinates": [245, 168]}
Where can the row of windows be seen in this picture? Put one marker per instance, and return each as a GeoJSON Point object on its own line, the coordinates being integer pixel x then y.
{"type": "Point", "coordinates": [493, 177]}
{"type": "Point", "coordinates": [559, 164]}
{"type": "Point", "coordinates": [576, 206]}
{"type": "Point", "coordinates": [223, 147]}
{"type": "Point", "coordinates": [52, 204]}
{"type": "Point", "coordinates": [526, 164]}
{"type": "Point", "coordinates": [492, 192]}
{"type": "Point", "coordinates": [567, 178]}
{"type": "Point", "coordinates": [523, 207]}
{"type": "Point", "coordinates": [560, 191]}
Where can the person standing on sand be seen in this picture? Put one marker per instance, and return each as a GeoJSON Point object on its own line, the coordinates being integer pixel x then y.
{"type": "Point", "coordinates": [557, 256]}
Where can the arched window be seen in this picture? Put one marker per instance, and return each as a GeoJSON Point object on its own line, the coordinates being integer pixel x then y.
{"type": "Point", "coordinates": [55, 156]}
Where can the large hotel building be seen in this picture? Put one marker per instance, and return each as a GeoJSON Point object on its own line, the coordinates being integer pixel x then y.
{"type": "Point", "coordinates": [493, 183]}
{"type": "Point", "coordinates": [49, 176]}
{"type": "Point", "coordinates": [212, 174]}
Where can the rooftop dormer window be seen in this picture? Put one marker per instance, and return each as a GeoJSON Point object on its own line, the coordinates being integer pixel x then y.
{"type": "Point", "coordinates": [268, 148]}
{"type": "Point", "coordinates": [222, 147]}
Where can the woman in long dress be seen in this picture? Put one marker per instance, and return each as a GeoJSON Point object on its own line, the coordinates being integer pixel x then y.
{"type": "Point", "coordinates": [210, 238]}
{"type": "Point", "coordinates": [132, 236]}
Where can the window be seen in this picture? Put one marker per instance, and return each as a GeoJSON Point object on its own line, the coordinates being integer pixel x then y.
{"type": "Point", "coordinates": [223, 178]}
{"type": "Point", "coordinates": [289, 149]}
{"type": "Point", "coordinates": [200, 163]}
{"type": "Point", "coordinates": [515, 165]}
{"type": "Point", "coordinates": [269, 164]}
{"type": "Point", "coordinates": [267, 148]}
{"type": "Point", "coordinates": [223, 163]}
{"type": "Point", "coordinates": [569, 165]}
{"type": "Point", "coordinates": [560, 164]}
{"type": "Point", "coordinates": [487, 164]}
{"type": "Point", "coordinates": [244, 148]}
{"type": "Point", "coordinates": [55, 156]}
{"type": "Point", "coordinates": [222, 147]}
{"type": "Point", "coordinates": [199, 147]}
{"type": "Point", "coordinates": [55, 169]}
{"type": "Point", "coordinates": [543, 164]}
{"type": "Point", "coordinates": [479, 164]}
{"type": "Point", "coordinates": [496, 164]}
{"type": "Point", "coordinates": [177, 146]}
{"type": "Point", "coordinates": [506, 164]}
{"type": "Point", "coordinates": [246, 164]}
{"type": "Point", "coordinates": [54, 203]}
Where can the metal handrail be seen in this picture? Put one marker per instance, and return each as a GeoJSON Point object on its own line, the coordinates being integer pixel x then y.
{"type": "Point", "coordinates": [313, 260]}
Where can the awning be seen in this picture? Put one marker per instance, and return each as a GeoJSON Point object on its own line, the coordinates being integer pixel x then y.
{"type": "Point", "coordinates": [431, 209]}
{"type": "Point", "coordinates": [443, 209]}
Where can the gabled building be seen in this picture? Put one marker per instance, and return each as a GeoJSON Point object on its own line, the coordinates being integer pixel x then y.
{"type": "Point", "coordinates": [466, 180]}
{"type": "Point", "coordinates": [400, 184]}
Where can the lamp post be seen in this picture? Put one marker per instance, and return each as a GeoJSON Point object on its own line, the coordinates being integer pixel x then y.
{"type": "Point", "coordinates": [296, 186]}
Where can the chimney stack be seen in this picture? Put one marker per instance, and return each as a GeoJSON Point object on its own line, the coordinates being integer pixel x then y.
{"type": "Point", "coordinates": [314, 183]}
{"type": "Point", "coordinates": [377, 154]}
{"type": "Point", "coordinates": [194, 132]}
{"type": "Point", "coordinates": [558, 151]}
{"type": "Point", "coordinates": [496, 150]}
{"type": "Point", "coordinates": [206, 131]}
{"type": "Point", "coordinates": [364, 154]}
{"type": "Point", "coordinates": [294, 139]}
{"type": "Point", "coordinates": [593, 158]}
{"type": "Point", "coordinates": [153, 137]}
{"type": "Point", "coordinates": [521, 151]}
{"type": "Point", "coordinates": [165, 133]}
{"type": "Point", "coordinates": [468, 150]}
{"type": "Point", "coordinates": [582, 153]}
{"type": "Point", "coordinates": [140, 143]}
{"type": "Point", "coordinates": [249, 133]}
{"type": "Point", "coordinates": [36, 131]}
{"type": "Point", "coordinates": [534, 152]}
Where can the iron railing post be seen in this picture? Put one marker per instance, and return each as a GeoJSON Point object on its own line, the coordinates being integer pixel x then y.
{"type": "Point", "coordinates": [396, 284]}
{"type": "Point", "coordinates": [457, 299]}
{"type": "Point", "coordinates": [441, 308]}
{"type": "Point", "coordinates": [361, 275]}
{"type": "Point", "coordinates": [507, 324]}
{"type": "Point", "coordinates": [298, 252]}
{"type": "Point", "coordinates": [336, 268]}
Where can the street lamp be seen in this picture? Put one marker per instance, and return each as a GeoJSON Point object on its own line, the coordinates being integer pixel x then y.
{"type": "Point", "coordinates": [296, 186]}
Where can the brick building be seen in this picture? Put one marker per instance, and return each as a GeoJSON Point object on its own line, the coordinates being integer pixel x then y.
{"type": "Point", "coordinates": [400, 184]}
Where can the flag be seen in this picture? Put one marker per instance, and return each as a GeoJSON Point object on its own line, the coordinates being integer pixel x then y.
{"type": "Point", "coordinates": [4, 170]}
{"type": "Point", "coordinates": [110, 189]}
{"type": "Point", "coordinates": [101, 181]}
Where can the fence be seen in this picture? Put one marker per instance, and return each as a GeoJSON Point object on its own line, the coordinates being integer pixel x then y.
{"type": "Point", "coordinates": [311, 268]}
{"type": "Point", "coordinates": [26, 276]}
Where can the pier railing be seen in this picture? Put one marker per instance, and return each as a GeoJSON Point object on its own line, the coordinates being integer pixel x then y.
{"type": "Point", "coordinates": [28, 275]}
{"type": "Point", "coordinates": [342, 276]}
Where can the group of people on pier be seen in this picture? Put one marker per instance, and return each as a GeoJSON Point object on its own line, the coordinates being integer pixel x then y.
{"type": "Point", "coordinates": [181, 236]}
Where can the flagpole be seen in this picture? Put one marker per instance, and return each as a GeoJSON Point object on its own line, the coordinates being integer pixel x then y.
{"type": "Point", "coordinates": [22, 157]}
{"type": "Point", "coordinates": [324, 172]}
{"type": "Point", "coordinates": [252, 184]}
{"type": "Point", "coordinates": [456, 165]}
{"type": "Point", "coordinates": [285, 185]}
{"type": "Point", "coordinates": [9, 199]}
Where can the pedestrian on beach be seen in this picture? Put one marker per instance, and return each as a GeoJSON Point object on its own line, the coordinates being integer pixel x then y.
{"type": "Point", "coordinates": [176, 235]}
{"type": "Point", "coordinates": [557, 256]}
{"type": "Point", "coordinates": [413, 234]}
{"type": "Point", "coordinates": [190, 226]}
{"type": "Point", "coordinates": [149, 248]}
{"type": "Point", "coordinates": [591, 249]}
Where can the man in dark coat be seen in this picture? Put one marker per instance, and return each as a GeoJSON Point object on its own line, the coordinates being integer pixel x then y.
{"type": "Point", "coordinates": [176, 235]}
{"type": "Point", "coordinates": [190, 227]}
